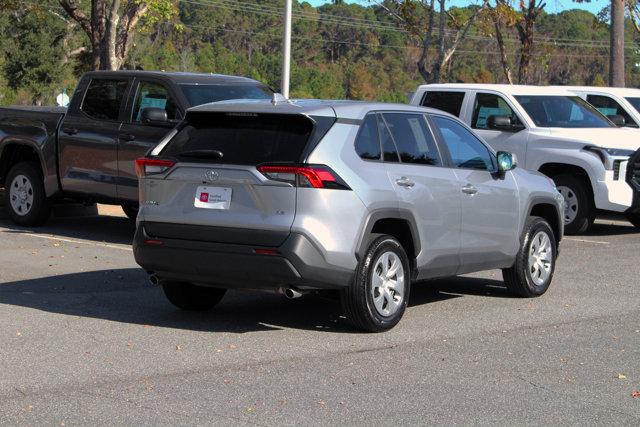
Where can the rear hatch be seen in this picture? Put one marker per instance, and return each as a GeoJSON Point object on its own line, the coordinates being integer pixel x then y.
{"type": "Point", "coordinates": [214, 192]}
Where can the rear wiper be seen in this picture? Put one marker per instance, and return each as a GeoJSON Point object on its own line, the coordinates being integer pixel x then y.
{"type": "Point", "coordinates": [203, 154]}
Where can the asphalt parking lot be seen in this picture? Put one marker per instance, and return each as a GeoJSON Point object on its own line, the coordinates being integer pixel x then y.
{"type": "Point", "coordinates": [84, 339]}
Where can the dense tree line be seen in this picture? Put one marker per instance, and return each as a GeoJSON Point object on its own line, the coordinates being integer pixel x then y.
{"type": "Point", "coordinates": [339, 50]}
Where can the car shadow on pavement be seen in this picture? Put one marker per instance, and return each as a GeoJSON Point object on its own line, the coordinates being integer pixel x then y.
{"type": "Point", "coordinates": [124, 295]}
{"type": "Point", "coordinates": [611, 229]}
{"type": "Point", "coordinates": [107, 229]}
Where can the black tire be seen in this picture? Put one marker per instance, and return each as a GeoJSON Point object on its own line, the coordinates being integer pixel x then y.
{"type": "Point", "coordinates": [519, 278]}
{"type": "Point", "coordinates": [130, 210]}
{"type": "Point", "coordinates": [585, 211]}
{"type": "Point", "coordinates": [634, 218]}
{"type": "Point", "coordinates": [38, 211]}
{"type": "Point", "coordinates": [358, 298]}
{"type": "Point", "coordinates": [187, 296]}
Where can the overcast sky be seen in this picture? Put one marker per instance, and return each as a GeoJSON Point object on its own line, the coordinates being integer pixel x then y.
{"type": "Point", "coordinates": [552, 5]}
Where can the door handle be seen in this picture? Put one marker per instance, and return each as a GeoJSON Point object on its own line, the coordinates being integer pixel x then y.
{"type": "Point", "coordinates": [69, 130]}
{"type": "Point", "coordinates": [469, 189]}
{"type": "Point", "coordinates": [405, 182]}
{"type": "Point", "coordinates": [127, 137]}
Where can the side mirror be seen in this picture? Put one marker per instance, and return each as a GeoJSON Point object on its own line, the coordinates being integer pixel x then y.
{"type": "Point", "coordinates": [617, 120]}
{"type": "Point", "coordinates": [154, 116]}
{"type": "Point", "coordinates": [502, 123]}
{"type": "Point", "coordinates": [506, 161]}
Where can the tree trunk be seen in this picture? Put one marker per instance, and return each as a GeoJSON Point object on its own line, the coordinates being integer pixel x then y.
{"type": "Point", "coordinates": [504, 60]}
{"type": "Point", "coordinates": [426, 45]}
{"type": "Point", "coordinates": [616, 57]}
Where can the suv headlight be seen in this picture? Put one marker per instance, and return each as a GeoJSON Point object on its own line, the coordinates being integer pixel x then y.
{"type": "Point", "coordinates": [609, 155]}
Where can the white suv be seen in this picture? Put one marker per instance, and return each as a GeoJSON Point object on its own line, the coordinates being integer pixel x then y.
{"type": "Point", "coordinates": [595, 165]}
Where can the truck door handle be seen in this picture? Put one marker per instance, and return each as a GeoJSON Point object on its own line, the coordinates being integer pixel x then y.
{"type": "Point", "coordinates": [405, 182]}
{"type": "Point", "coordinates": [69, 130]}
{"type": "Point", "coordinates": [469, 189]}
{"type": "Point", "coordinates": [127, 137]}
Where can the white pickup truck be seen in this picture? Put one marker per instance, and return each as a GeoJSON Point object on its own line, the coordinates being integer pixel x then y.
{"type": "Point", "coordinates": [623, 102]}
{"type": "Point", "coordinates": [595, 165]}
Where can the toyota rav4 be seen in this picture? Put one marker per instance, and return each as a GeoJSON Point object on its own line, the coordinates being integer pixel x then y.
{"type": "Point", "coordinates": [363, 198]}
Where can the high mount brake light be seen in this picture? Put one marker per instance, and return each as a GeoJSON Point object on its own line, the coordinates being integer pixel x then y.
{"type": "Point", "coordinates": [314, 176]}
{"type": "Point", "coordinates": [146, 166]}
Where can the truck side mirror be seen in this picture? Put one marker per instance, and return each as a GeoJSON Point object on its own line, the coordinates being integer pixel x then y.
{"type": "Point", "coordinates": [617, 120]}
{"type": "Point", "coordinates": [154, 116]}
{"type": "Point", "coordinates": [503, 123]}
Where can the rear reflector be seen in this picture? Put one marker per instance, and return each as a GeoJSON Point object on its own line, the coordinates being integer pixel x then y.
{"type": "Point", "coordinates": [153, 242]}
{"type": "Point", "coordinates": [146, 166]}
{"type": "Point", "coordinates": [313, 176]}
{"type": "Point", "coordinates": [259, 251]}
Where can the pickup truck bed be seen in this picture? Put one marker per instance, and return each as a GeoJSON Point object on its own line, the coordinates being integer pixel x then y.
{"type": "Point", "coordinates": [87, 152]}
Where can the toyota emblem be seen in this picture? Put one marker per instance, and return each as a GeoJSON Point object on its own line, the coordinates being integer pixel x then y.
{"type": "Point", "coordinates": [212, 175]}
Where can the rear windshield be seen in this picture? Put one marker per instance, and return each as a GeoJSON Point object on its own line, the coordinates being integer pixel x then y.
{"type": "Point", "coordinates": [203, 94]}
{"type": "Point", "coordinates": [241, 138]}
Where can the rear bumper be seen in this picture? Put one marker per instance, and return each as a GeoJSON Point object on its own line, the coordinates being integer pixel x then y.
{"type": "Point", "coordinates": [297, 263]}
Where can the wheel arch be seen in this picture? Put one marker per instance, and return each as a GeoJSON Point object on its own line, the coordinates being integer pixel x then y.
{"type": "Point", "coordinates": [547, 209]}
{"type": "Point", "coordinates": [553, 169]}
{"type": "Point", "coordinates": [398, 223]}
{"type": "Point", "coordinates": [13, 152]}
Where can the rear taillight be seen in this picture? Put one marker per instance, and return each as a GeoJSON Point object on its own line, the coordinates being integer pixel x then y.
{"type": "Point", "coordinates": [146, 166]}
{"type": "Point", "coordinates": [310, 176]}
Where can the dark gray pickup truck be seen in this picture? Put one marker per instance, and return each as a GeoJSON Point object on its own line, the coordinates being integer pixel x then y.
{"type": "Point", "coordinates": [87, 152]}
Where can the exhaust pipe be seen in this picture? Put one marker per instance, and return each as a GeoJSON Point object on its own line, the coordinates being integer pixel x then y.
{"type": "Point", "coordinates": [153, 279]}
{"type": "Point", "coordinates": [291, 293]}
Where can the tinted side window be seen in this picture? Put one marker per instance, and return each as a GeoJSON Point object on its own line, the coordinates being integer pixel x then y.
{"type": "Point", "coordinates": [465, 149]}
{"type": "Point", "coordinates": [388, 146]}
{"type": "Point", "coordinates": [451, 102]}
{"type": "Point", "coordinates": [413, 138]}
{"type": "Point", "coordinates": [367, 141]}
{"type": "Point", "coordinates": [154, 95]}
{"type": "Point", "coordinates": [488, 104]}
{"type": "Point", "coordinates": [609, 107]}
{"type": "Point", "coordinates": [104, 98]}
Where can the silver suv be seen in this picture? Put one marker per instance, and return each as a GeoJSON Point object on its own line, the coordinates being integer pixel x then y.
{"type": "Point", "coordinates": [364, 198]}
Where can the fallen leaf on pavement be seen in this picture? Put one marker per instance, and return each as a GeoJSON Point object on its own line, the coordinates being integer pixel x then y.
{"type": "Point", "coordinates": [622, 377]}
{"type": "Point", "coordinates": [635, 394]}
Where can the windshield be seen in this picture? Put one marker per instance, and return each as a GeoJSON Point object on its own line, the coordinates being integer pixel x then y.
{"type": "Point", "coordinates": [204, 94]}
{"type": "Point", "coordinates": [562, 112]}
{"type": "Point", "coordinates": [635, 102]}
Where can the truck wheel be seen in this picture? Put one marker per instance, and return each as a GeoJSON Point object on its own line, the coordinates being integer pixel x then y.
{"type": "Point", "coordinates": [190, 297]}
{"type": "Point", "coordinates": [130, 210]}
{"type": "Point", "coordinates": [579, 212]}
{"type": "Point", "coordinates": [531, 274]}
{"type": "Point", "coordinates": [25, 197]}
{"type": "Point", "coordinates": [634, 218]}
{"type": "Point", "coordinates": [378, 296]}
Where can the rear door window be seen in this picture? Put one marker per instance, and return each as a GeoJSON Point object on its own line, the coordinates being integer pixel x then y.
{"type": "Point", "coordinates": [103, 98]}
{"type": "Point", "coordinates": [451, 102]}
{"type": "Point", "coordinates": [413, 138]}
{"type": "Point", "coordinates": [242, 138]}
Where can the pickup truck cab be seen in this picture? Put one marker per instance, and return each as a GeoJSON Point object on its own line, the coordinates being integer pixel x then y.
{"type": "Point", "coordinates": [614, 102]}
{"type": "Point", "coordinates": [595, 165]}
{"type": "Point", "coordinates": [87, 152]}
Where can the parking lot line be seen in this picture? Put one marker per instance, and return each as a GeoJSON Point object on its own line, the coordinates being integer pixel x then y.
{"type": "Point", "coordinates": [81, 242]}
{"type": "Point", "coordinates": [595, 242]}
